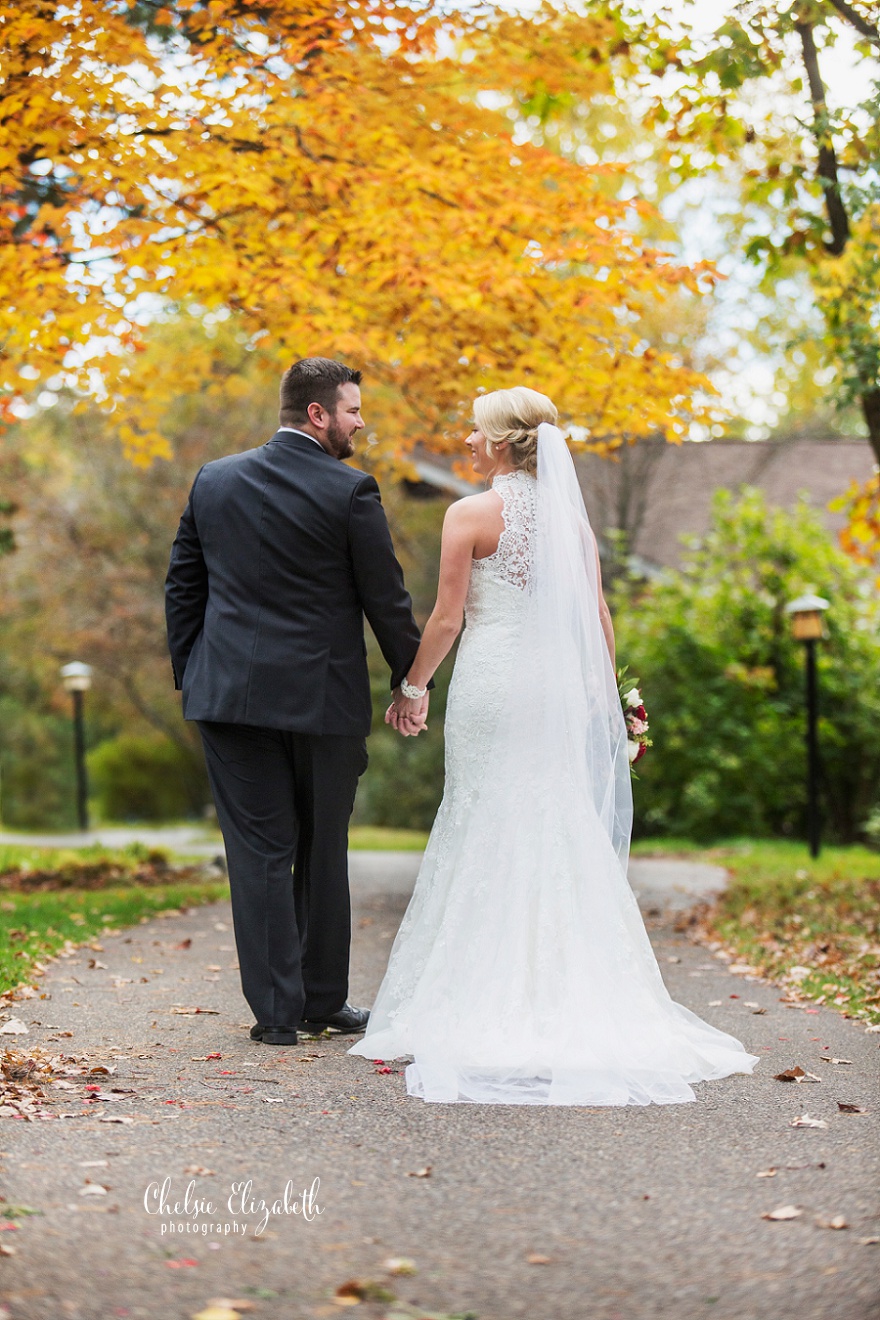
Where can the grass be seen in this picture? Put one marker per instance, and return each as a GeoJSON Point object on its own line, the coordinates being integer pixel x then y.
{"type": "Point", "coordinates": [811, 925]}
{"type": "Point", "coordinates": [15, 855]}
{"type": "Point", "coordinates": [369, 838]}
{"type": "Point", "coordinates": [34, 926]}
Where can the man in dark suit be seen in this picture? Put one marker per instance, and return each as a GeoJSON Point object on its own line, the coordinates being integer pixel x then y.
{"type": "Point", "coordinates": [280, 553]}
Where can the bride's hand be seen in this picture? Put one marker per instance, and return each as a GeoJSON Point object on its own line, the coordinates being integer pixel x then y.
{"type": "Point", "coordinates": [407, 716]}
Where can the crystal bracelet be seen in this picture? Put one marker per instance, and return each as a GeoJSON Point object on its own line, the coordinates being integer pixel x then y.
{"type": "Point", "coordinates": [411, 692]}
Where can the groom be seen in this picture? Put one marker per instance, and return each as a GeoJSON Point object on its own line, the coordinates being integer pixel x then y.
{"type": "Point", "coordinates": [280, 553]}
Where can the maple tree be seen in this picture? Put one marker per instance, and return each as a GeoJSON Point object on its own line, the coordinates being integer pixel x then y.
{"type": "Point", "coordinates": [334, 177]}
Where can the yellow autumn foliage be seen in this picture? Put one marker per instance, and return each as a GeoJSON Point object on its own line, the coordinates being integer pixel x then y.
{"type": "Point", "coordinates": [334, 176]}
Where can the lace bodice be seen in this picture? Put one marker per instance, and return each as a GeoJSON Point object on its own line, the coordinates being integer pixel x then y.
{"type": "Point", "coordinates": [512, 561]}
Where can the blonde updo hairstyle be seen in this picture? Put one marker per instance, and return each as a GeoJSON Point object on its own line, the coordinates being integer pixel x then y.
{"type": "Point", "coordinates": [513, 416]}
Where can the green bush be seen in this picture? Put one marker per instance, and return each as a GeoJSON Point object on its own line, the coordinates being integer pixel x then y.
{"type": "Point", "coordinates": [724, 681]}
{"type": "Point", "coordinates": [37, 777]}
{"type": "Point", "coordinates": [145, 777]}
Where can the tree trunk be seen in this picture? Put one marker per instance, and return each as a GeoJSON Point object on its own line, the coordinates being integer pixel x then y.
{"type": "Point", "coordinates": [871, 409]}
{"type": "Point", "coordinates": [834, 206]}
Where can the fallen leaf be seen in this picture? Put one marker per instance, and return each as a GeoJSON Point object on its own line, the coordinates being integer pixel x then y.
{"type": "Point", "coordinates": [14, 1027]}
{"type": "Point", "coordinates": [715, 1003]}
{"type": "Point", "coordinates": [399, 1265]}
{"type": "Point", "coordinates": [233, 1303]}
{"type": "Point", "coordinates": [421, 1173]}
{"type": "Point", "coordinates": [869, 1241]}
{"type": "Point", "coordinates": [805, 1121]}
{"type": "Point", "coordinates": [766, 1173]}
{"type": "Point", "coordinates": [536, 1259]}
{"type": "Point", "coordinates": [826, 1058]}
{"type": "Point", "coordinates": [115, 1118]}
{"type": "Point", "coordinates": [870, 1031]}
{"type": "Point", "coordinates": [273, 1099]}
{"type": "Point", "coordinates": [837, 1222]}
{"type": "Point", "coordinates": [796, 1074]}
{"type": "Point", "coordinates": [783, 1212]}
{"type": "Point", "coordinates": [757, 1012]}
{"type": "Point", "coordinates": [202, 1173]}
{"type": "Point", "coordinates": [94, 962]}
{"type": "Point", "coordinates": [93, 1189]}
{"type": "Point", "coordinates": [183, 944]}
{"type": "Point", "coordinates": [6, 1251]}
{"type": "Point", "coordinates": [189, 1012]}
{"type": "Point", "coordinates": [180, 1264]}
{"type": "Point", "coordinates": [850, 1109]}
{"type": "Point", "coordinates": [353, 1292]}
{"type": "Point", "coordinates": [216, 1313]}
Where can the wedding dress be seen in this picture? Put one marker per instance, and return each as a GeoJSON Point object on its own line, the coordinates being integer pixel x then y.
{"type": "Point", "coordinates": [522, 972]}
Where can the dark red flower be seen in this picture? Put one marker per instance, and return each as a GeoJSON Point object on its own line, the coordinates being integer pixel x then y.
{"type": "Point", "coordinates": [641, 752]}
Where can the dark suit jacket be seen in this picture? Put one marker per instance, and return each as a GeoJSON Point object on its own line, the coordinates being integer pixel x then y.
{"type": "Point", "coordinates": [280, 553]}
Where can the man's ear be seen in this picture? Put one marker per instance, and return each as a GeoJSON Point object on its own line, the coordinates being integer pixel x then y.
{"type": "Point", "coordinates": [317, 415]}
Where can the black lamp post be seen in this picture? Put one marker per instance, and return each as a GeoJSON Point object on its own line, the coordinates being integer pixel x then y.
{"type": "Point", "coordinates": [806, 626]}
{"type": "Point", "coordinates": [77, 679]}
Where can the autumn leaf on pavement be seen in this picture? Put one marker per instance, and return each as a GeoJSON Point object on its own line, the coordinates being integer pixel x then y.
{"type": "Point", "coordinates": [783, 1212]}
{"type": "Point", "coordinates": [837, 1222]}
{"type": "Point", "coordinates": [805, 1121]}
{"type": "Point", "coordinates": [353, 1292]}
{"type": "Point", "coordinates": [850, 1109]}
{"type": "Point", "coordinates": [421, 1173]}
{"type": "Point", "coordinates": [399, 1265]}
{"type": "Point", "coordinates": [796, 1074]}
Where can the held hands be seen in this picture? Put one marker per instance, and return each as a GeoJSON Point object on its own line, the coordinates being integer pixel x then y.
{"type": "Point", "coordinates": [408, 715]}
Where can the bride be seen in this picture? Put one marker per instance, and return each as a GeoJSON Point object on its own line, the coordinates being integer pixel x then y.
{"type": "Point", "coordinates": [522, 972]}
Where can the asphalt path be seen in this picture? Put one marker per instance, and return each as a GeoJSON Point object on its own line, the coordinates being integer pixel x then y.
{"type": "Point", "coordinates": [503, 1211]}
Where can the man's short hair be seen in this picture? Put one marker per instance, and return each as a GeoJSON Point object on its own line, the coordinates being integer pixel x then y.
{"type": "Point", "coordinates": [313, 380]}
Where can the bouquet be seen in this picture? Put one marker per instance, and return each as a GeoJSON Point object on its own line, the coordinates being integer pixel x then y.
{"type": "Point", "coordinates": [635, 716]}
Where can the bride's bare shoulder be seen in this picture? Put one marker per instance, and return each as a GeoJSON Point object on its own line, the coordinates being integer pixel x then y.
{"type": "Point", "coordinates": [484, 503]}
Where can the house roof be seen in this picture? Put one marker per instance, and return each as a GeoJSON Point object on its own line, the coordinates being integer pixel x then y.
{"type": "Point", "coordinates": [676, 484]}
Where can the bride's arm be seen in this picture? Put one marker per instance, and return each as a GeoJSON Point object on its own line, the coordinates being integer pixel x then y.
{"type": "Point", "coordinates": [444, 625]}
{"type": "Point", "coordinates": [604, 612]}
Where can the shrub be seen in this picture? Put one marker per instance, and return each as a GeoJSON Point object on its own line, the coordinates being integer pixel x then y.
{"type": "Point", "coordinates": [145, 777]}
{"type": "Point", "coordinates": [724, 680]}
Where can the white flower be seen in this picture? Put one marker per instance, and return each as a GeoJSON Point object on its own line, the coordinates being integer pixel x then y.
{"type": "Point", "coordinates": [633, 697]}
{"type": "Point", "coordinates": [632, 750]}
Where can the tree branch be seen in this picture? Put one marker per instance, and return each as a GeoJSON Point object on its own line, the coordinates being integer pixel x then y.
{"type": "Point", "coordinates": [858, 22]}
{"type": "Point", "coordinates": [828, 178]}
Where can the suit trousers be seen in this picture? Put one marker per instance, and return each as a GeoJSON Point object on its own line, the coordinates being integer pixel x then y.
{"type": "Point", "coordinates": [284, 801]}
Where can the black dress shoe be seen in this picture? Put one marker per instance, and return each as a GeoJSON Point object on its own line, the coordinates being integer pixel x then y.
{"type": "Point", "coordinates": [348, 1021]}
{"type": "Point", "coordinates": [273, 1035]}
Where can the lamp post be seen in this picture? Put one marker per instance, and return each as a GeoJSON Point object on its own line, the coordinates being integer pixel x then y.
{"type": "Point", "coordinates": [806, 626]}
{"type": "Point", "coordinates": [77, 679]}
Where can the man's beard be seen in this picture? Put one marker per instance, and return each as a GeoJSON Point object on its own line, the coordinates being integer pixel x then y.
{"type": "Point", "coordinates": [338, 441]}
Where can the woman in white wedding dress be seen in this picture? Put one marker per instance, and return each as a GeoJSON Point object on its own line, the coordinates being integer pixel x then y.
{"type": "Point", "coordinates": [522, 972]}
